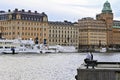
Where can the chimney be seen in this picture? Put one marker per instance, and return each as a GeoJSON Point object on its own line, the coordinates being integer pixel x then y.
{"type": "Point", "coordinates": [35, 12]}
{"type": "Point", "coordinates": [29, 11]}
{"type": "Point", "coordinates": [2, 11]}
{"type": "Point", "coordinates": [23, 10]}
{"type": "Point", "coordinates": [16, 10]}
{"type": "Point", "coordinates": [9, 10]}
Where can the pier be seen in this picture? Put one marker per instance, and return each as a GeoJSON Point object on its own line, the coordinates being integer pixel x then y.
{"type": "Point", "coordinates": [101, 71]}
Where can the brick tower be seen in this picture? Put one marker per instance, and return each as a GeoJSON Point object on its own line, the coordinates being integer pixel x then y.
{"type": "Point", "coordinates": [107, 16]}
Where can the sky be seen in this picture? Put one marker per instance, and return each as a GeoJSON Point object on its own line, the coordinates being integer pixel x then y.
{"type": "Point", "coordinates": [60, 10]}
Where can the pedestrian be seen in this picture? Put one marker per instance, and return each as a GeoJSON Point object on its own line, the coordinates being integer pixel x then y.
{"type": "Point", "coordinates": [13, 50]}
{"type": "Point", "coordinates": [89, 57]}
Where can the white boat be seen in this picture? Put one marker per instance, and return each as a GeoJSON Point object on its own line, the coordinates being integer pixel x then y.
{"type": "Point", "coordinates": [101, 50]}
{"type": "Point", "coordinates": [28, 46]}
{"type": "Point", "coordinates": [6, 45]}
{"type": "Point", "coordinates": [47, 49]}
{"type": "Point", "coordinates": [23, 46]}
{"type": "Point", "coordinates": [66, 49]}
{"type": "Point", "coordinates": [28, 49]}
{"type": "Point", "coordinates": [18, 45]}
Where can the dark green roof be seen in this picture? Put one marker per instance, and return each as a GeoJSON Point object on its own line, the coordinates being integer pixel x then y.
{"type": "Point", "coordinates": [116, 26]}
{"type": "Point", "coordinates": [106, 8]}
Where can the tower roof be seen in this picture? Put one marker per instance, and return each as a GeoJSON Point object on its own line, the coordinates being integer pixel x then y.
{"type": "Point", "coordinates": [106, 8]}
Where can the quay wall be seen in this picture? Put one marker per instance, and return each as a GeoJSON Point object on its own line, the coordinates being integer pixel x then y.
{"type": "Point", "coordinates": [98, 74]}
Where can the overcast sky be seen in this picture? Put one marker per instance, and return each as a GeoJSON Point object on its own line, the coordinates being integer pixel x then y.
{"type": "Point", "coordinates": [60, 10]}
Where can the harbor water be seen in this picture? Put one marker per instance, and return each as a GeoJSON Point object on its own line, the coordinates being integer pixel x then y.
{"type": "Point", "coordinates": [52, 66]}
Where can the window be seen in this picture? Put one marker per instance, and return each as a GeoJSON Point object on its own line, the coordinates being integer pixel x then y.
{"type": "Point", "coordinates": [9, 33]}
{"type": "Point", "coordinates": [44, 29]}
{"type": "Point", "coordinates": [22, 28]}
{"type": "Point", "coordinates": [13, 33]}
{"type": "Point", "coordinates": [22, 33]}
{"type": "Point", "coordinates": [50, 31]}
{"type": "Point", "coordinates": [18, 33]}
{"type": "Point", "coordinates": [31, 34]}
{"type": "Point", "coordinates": [40, 34]}
{"type": "Point", "coordinates": [44, 34]}
{"type": "Point", "coordinates": [29, 28]}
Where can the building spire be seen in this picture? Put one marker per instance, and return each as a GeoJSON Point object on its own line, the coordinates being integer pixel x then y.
{"type": "Point", "coordinates": [106, 7]}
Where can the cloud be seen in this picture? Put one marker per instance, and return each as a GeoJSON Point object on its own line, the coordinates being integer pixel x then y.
{"type": "Point", "coordinates": [62, 9]}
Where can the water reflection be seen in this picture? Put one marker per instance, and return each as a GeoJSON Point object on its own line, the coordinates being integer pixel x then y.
{"type": "Point", "coordinates": [60, 66]}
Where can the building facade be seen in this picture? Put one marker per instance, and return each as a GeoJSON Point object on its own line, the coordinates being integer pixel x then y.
{"type": "Point", "coordinates": [116, 34]}
{"type": "Point", "coordinates": [107, 17]}
{"type": "Point", "coordinates": [99, 32]}
{"type": "Point", "coordinates": [86, 33]}
{"type": "Point", "coordinates": [63, 33]}
{"type": "Point", "coordinates": [26, 25]}
{"type": "Point", "coordinates": [92, 33]}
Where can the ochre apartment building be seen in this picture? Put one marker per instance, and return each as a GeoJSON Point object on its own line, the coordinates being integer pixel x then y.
{"type": "Point", "coordinates": [97, 33]}
{"type": "Point", "coordinates": [63, 33]}
{"type": "Point", "coordinates": [26, 25]}
{"type": "Point", "coordinates": [92, 33]}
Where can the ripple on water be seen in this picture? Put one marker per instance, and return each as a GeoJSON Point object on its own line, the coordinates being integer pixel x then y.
{"type": "Point", "coordinates": [60, 66]}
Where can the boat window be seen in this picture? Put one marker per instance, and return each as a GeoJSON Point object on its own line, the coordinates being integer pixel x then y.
{"type": "Point", "coordinates": [7, 47]}
{"type": "Point", "coordinates": [1, 47]}
{"type": "Point", "coordinates": [38, 47]}
{"type": "Point", "coordinates": [21, 45]}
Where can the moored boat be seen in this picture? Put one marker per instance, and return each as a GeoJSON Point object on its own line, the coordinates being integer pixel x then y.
{"type": "Point", "coordinates": [65, 49]}
{"type": "Point", "coordinates": [101, 50]}
{"type": "Point", "coordinates": [29, 46]}
{"type": "Point", "coordinates": [23, 46]}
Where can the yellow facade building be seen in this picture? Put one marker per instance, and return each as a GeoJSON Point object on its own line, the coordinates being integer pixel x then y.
{"type": "Point", "coordinates": [92, 33]}
{"type": "Point", "coordinates": [116, 34]}
{"type": "Point", "coordinates": [63, 33]}
{"type": "Point", "coordinates": [97, 33]}
{"type": "Point", "coordinates": [26, 25]}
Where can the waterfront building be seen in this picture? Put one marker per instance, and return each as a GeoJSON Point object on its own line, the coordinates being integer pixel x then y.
{"type": "Point", "coordinates": [92, 33]}
{"type": "Point", "coordinates": [113, 26]}
{"type": "Point", "coordinates": [107, 17]}
{"type": "Point", "coordinates": [97, 32]}
{"type": "Point", "coordinates": [87, 32]}
{"type": "Point", "coordinates": [116, 34]}
{"type": "Point", "coordinates": [26, 25]}
{"type": "Point", "coordinates": [63, 33]}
